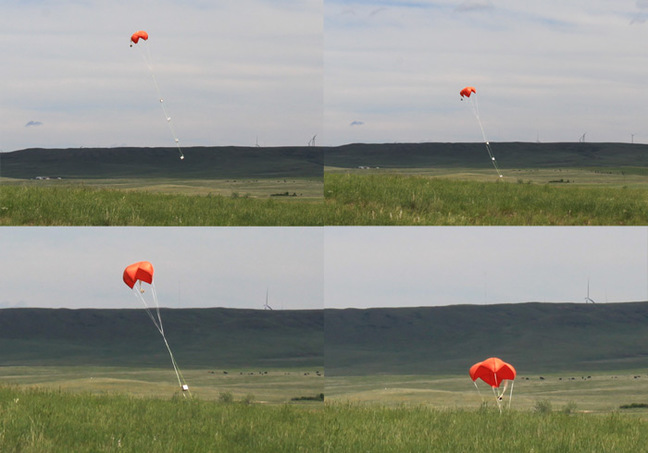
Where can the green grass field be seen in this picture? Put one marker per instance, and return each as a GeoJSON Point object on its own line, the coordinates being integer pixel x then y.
{"type": "Point", "coordinates": [558, 412]}
{"type": "Point", "coordinates": [38, 420]}
{"type": "Point", "coordinates": [353, 428]}
{"type": "Point", "coordinates": [264, 386]}
{"type": "Point", "coordinates": [583, 392]}
{"type": "Point", "coordinates": [454, 184]}
{"type": "Point", "coordinates": [388, 199]}
{"type": "Point", "coordinates": [262, 188]}
{"type": "Point", "coordinates": [377, 414]}
{"type": "Point", "coordinates": [633, 177]}
{"type": "Point", "coordinates": [398, 184]}
{"type": "Point", "coordinates": [85, 403]}
{"type": "Point", "coordinates": [91, 206]}
{"type": "Point", "coordinates": [80, 408]}
{"type": "Point", "coordinates": [213, 186]}
{"type": "Point", "coordinates": [350, 199]}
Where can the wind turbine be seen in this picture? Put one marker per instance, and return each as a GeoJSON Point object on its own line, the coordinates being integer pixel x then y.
{"type": "Point", "coordinates": [588, 300]}
{"type": "Point", "coordinates": [266, 306]}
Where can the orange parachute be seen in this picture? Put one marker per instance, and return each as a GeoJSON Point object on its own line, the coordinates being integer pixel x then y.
{"type": "Point", "coordinates": [142, 271]}
{"type": "Point", "coordinates": [467, 91]}
{"type": "Point", "coordinates": [135, 37]}
{"type": "Point", "coordinates": [492, 371]}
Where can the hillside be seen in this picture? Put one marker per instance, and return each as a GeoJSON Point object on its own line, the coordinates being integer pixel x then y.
{"type": "Point", "coordinates": [199, 338]}
{"type": "Point", "coordinates": [307, 162]}
{"type": "Point", "coordinates": [474, 155]}
{"type": "Point", "coordinates": [199, 163]}
{"type": "Point", "coordinates": [538, 337]}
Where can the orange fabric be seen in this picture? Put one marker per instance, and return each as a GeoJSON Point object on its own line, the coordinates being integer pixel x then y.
{"type": "Point", "coordinates": [492, 371]}
{"type": "Point", "coordinates": [139, 271]}
{"type": "Point", "coordinates": [139, 34]}
{"type": "Point", "coordinates": [467, 91]}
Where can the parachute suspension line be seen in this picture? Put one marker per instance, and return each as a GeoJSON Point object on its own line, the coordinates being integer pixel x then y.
{"type": "Point", "coordinates": [146, 56]}
{"type": "Point", "coordinates": [157, 309]}
{"type": "Point", "coordinates": [511, 394]}
{"type": "Point", "coordinates": [478, 392]}
{"type": "Point", "coordinates": [503, 393]}
{"type": "Point", "coordinates": [139, 295]}
{"type": "Point", "coordinates": [475, 107]}
{"type": "Point", "coordinates": [181, 381]}
{"type": "Point", "coordinates": [157, 321]}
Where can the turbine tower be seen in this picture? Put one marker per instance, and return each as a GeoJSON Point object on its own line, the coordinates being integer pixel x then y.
{"type": "Point", "coordinates": [266, 306]}
{"type": "Point", "coordinates": [588, 300]}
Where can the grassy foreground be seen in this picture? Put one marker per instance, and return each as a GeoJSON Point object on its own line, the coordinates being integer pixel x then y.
{"type": "Point", "coordinates": [351, 428]}
{"type": "Point", "coordinates": [273, 387]}
{"type": "Point", "coordinates": [380, 199]}
{"type": "Point", "coordinates": [595, 393]}
{"type": "Point", "coordinates": [350, 199]}
{"type": "Point", "coordinates": [83, 205]}
{"type": "Point", "coordinates": [54, 421]}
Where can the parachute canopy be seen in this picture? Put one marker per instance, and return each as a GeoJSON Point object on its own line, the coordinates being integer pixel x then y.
{"type": "Point", "coordinates": [492, 371]}
{"type": "Point", "coordinates": [467, 91]}
{"type": "Point", "coordinates": [135, 37]}
{"type": "Point", "coordinates": [142, 271]}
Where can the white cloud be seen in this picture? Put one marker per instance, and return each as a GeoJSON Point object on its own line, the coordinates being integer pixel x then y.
{"type": "Point", "coordinates": [218, 66]}
{"type": "Point", "coordinates": [231, 71]}
{"type": "Point", "coordinates": [475, 5]}
{"type": "Point", "coordinates": [550, 67]}
{"type": "Point", "coordinates": [640, 16]}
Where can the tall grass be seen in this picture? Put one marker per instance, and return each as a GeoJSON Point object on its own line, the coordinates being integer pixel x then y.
{"type": "Point", "coordinates": [81, 205]}
{"type": "Point", "coordinates": [353, 428]}
{"type": "Point", "coordinates": [409, 200]}
{"type": "Point", "coordinates": [34, 420]}
{"type": "Point", "coordinates": [48, 421]}
{"type": "Point", "coordinates": [350, 199]}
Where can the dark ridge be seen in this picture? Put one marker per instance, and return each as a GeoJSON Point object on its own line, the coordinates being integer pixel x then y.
{"type": "Point", "coordinates": [199, 163]}
{"type": "Point", "coordinates": [202, 338]}
{"type": "Point", "coordinates": [535, 337]}
{"type": "Point", "coordinates": [474, 155]}
{"type": "Point", "coordinates": [445, 340]}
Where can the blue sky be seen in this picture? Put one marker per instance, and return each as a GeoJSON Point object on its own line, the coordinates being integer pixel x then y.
{"type": "Point", "coordinates": [430, 266]}
{"type": "Point", "coordinates": [194, 267]}
{"type": "Point", "coordinates": [231, 73]}
{"type": "Point", "coordinates": [332, 267]}
{"type": "Point", "coordinates": [279, 72]}
{"type": "Point", "coordinates": [548, 71]}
